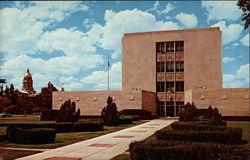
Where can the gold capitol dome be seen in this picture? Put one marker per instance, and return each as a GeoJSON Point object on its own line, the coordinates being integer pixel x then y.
{"type": "Point", "coordinates": [27, 74]}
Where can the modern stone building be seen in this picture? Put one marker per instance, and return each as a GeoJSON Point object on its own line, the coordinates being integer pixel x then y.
{"type": "Point", "coordinates": [163, 70]}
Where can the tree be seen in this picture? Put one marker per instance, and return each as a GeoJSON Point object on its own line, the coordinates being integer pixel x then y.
{"type": "Point", "coordinates": [189, 114]}
{"type": "Point", "coordinates": [67, 112]}
{"type": "Point", "coordinates": [44, 99]}
{"type": "Point", "coordinates": [109, 114]}
{"type": "Point", "coordinates": [244, 5]}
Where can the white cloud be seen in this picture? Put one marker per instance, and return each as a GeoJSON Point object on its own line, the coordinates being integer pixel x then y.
{"type": "Point", "coordinates": [230, 33]}
{"type": "Point", "coordinates": [99, 78]}
{"type": "Point", "coordinates": [221, 10]}
{"type": "Point", "coordinates": [73, 86]}
{"type": "Point", "coordinates": [70, 41]}
{"type": "Point", "coordinates": [87, 23]}
{"type": "Point", "coordinates": [228, 59]}
{"type": "Point", "coordinates": [52, 69]}
{"type": "Point", "coordinates": [168, 8]}
{"type": "Point", "coordinates": [245, 40]}
{"type": "Point", "coordinates": [21, 27]}
{"type": "Point", "coordinates": [188, 20]}
{"type": "Point", "coordinates": [128, 21]}
{"type": "Point", "coordinates": [238, 79]}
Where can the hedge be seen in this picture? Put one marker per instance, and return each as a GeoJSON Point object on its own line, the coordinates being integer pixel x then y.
{"type": "Point", "coordinates": [228, 136]}
{"type": "Point", "coordinates": [78, 126]}
{"type": "Point", "coordinates": [63, 126]}
{"type": "Point", "coordinates": [177, 150]}
{"type": "Point", "coordinates": [144, 114]}
{"type": "Point", "coordinates": [196, 127]}
{"type": "Point", "coordinates": [31, 136]}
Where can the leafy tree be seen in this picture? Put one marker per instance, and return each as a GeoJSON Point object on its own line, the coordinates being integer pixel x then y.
{"type": "Point", "coordinates": [44, 99]}
{"type": "Point", "coordinates": [67, 112]}
{"type": "Point", "coordinates": [109, 113]}
{"type": "Point", "coordinates": [244, 5]}
{"type": "Point", "coordinates": [13, 109]}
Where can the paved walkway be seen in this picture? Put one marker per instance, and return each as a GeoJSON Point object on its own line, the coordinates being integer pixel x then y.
{"type": "Point", "coordinates": [104, 147]}
{"type": "Point", "coordinates": [25, 149]}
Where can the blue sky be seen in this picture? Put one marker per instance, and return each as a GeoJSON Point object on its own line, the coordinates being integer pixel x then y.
{"type": "Point", "coordinates": [69, 42]}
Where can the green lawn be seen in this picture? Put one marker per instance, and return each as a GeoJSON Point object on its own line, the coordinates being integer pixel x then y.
{"type": "Point", "coordinates": [13, 154]}
{"type": "Point", "coordinates": [62, 139]}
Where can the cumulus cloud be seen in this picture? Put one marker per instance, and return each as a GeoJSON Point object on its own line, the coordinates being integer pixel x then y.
{"type": "Point", "coordinates": [99, 78]}
{"type": "Point", "coordinates": [188, 20]}
{"type": "Point", "coordinates": [245, 40]}
{"type": "Point", "coordinates": [22, 26]}
{"type": "Point", "coordinates": [70, 41]}
{"type": "Point", "coordinates": [228, 59]}
{"type": "Point", "coordinates": [52, 69]}
{"type": "Point", "coordinates": [156, 8]}
{"type": "Point", "coordinates": [230, 33]}
{"type": "Point", "coordinates": [237, 80]}
{"type": "Point", "coordinates": [221, 10]}
{"type": "Point", "coordinates": [118, 23]}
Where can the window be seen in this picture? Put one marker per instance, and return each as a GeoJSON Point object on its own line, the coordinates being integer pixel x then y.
{"type": "Point", "coordinates": [179, 66]}
{"type": "Point", "coordinates": [179, 46]}
{"type": "Point", "coordinates": [160, 87]}
{"type": "Point", "coordinates": [160, 47]}
{"type": "Point", "coordinates": [170, 87]}
{"type": "Point", "coordinates": [170, 66]}
{"type": "Point", "coordinates": [170, 46]}
{"type": "Point", "coordinates": [179, 86]}
{"type": "Point", "coordinates": [160, 67]}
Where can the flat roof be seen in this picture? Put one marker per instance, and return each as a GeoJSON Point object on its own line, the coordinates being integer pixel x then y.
{"type": "Point", "coordinates": [178, 30]}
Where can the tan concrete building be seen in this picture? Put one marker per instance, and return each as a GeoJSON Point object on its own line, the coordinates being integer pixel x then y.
{"type": "Point", "coordinates": [157, 69]}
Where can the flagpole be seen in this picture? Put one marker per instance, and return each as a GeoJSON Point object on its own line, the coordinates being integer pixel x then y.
{"type": "Point", "coordinates": [108, 72]}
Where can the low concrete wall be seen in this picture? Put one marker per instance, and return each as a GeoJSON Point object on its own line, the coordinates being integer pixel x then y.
{"type": "Point", "coordinates": [92, 102]}
{"type": "Point", "coordinates": [229, 101]}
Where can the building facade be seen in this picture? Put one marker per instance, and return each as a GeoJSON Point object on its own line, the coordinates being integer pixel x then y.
{"type": "Point", "coordinates": [158, 68]}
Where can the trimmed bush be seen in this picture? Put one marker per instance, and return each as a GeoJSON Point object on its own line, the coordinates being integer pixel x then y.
{"type": "Point", "coordinates": [177, 150]}
{"type": "Point", "coordinates": [49, 115]}
{"type": "Point", "coordinates": [78, 126]}
{"type": "Point", "coordinates": [228, 136]}
{"type": "Point", "coordinates": [31, 136]}
{"type": "Point", "coordinates": [196, 126]}
{"type": "Point", "coordinates": [126, 120]}
{"type": "Point", "coordinates": [143, 114]}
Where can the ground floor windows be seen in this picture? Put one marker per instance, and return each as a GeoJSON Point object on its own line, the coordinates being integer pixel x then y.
{"type": "Point", "coordinates": [169, 109]}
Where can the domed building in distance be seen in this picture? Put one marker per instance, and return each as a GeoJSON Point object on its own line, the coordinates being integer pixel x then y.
{"type": "Point", "coordinates": [28, 83]}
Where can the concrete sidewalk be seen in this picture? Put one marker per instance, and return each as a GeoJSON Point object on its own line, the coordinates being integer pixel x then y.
{"type": "Point", "coordinates": [104, 147]}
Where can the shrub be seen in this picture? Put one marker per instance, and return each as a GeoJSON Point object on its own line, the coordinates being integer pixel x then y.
{"type": "Point", "coordinates": [216, 118]}
{"type": "Point", "coordinates": [189, 113]}
{"type": "Point", "coordinates": [78, 126]}
{"type": "Point", "coordinates": [208, 113]}
{"type": "Point", "coordinates": [31, 136]}
{"type": "Point", "coordinates": [195, 126]}
{"type": "Point", "coordinates": [143, 114]}
{"type": "Point", "coordinates": [67, 112]}
{"type": "Point", "coordinates": [109, 113]}
{"type": "Point", "coordinates": [177, 150]}
{"type": "Point", "coordinates": [126, 120]}
{"type": "Point", "coordinates": [228, 136]}
{"type": "Point", "coordinates": [49, 115]}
